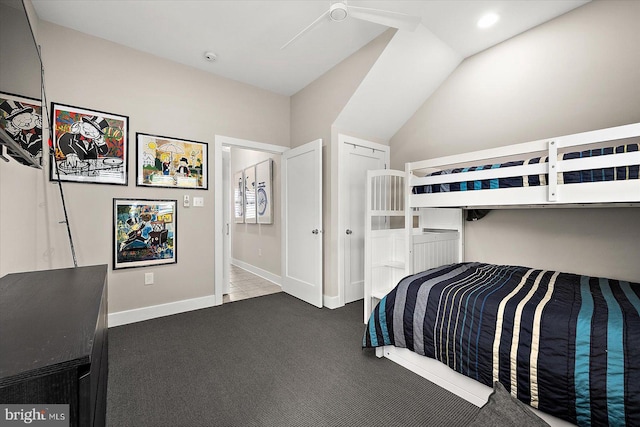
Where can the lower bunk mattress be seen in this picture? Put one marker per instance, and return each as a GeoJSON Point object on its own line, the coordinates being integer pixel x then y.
{"type": "Point", "coordinates": [566, 344]}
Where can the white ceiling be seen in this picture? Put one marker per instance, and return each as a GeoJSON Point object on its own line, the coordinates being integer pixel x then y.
{"type": "Point", "coordinates": [246, 35]}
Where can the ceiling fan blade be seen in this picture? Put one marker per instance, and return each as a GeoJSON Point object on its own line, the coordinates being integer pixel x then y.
{"type": "Point", "coordinates": [307, 29]}
{"type": "Point", "coordinates": [397, 20]}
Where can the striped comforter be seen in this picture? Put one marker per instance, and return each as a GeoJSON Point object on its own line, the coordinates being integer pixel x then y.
{"type": "Point", "coordinates": [592, 175]}
{"type": "Point", "coordinates": [566, 344]}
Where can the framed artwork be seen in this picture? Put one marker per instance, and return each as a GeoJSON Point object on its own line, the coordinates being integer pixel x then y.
{"type": "Point", "coordinates": [264, 202]}
{"type": "Point", "coordinates": [144, 232]}
{"type": "Point", "coordinates": [21, 119]}
{"type": "Point", "coordinates": [89, 146]}
{"type": "Point", "coordinates": [238, 197]}
{"type": "Point", "coordinates": [170, 162]}
{"type": "Point", "coordinates": [250, 195]}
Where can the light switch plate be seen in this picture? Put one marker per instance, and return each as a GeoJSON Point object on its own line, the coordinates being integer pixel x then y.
{"type": "Point", "coordinates": [185, 201]}
{"type": "Point", "coordinates": [198, 202]}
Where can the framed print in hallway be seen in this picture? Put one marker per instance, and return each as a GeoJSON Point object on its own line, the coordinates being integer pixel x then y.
{"type": "Point", "coordinates": [264, 201]}
{"type": "Point", "coordinates": [238, 197]}
{"type": "Point", "coordinates": [144, 232]}
{"type": "Point", "coordinates": [89, 146]}
{"type": "Point", "coordinates": [250, 195]}
{"type": "Point", "coordinates": [170, 162]}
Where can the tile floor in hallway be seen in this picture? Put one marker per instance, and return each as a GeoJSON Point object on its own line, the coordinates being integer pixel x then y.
{"type": "Point", "coordinates": [243, 285]}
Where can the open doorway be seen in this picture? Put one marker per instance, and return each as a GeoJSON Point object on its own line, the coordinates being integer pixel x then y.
{"type": "Point", "coordinates": [301, 217]}
{"type": "Point", "coordinates": [253, 262]}
{"type": "Point", "coordinates": [252, 235]}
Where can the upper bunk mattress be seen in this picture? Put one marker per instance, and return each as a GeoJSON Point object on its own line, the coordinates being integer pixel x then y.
{"type": "Point", "coordinates": [592, 175]}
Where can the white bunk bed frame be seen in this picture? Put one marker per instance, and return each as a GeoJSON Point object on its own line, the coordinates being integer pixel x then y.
{"type": "Point", "coordinates": [590, 194]}
{"type": "Point", "coordinates": [552, 194]}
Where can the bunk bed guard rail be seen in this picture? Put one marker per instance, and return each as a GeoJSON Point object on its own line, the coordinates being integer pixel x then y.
{"type": "Point", "coordinates": [553, 192]}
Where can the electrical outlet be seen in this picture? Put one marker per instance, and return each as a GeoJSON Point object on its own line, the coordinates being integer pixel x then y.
{"type": "Point", "coordinates": [259, 251]}
{"type": "Point", "coordinates": [148, 278]}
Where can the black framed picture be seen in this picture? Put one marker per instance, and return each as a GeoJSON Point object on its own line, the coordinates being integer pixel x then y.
{"type": "Point", "coordinates": [171, 162]}
{"type": "Point", "coordinates": [144, 232]}
{"type": "Point", "coordinates": [89, 146]}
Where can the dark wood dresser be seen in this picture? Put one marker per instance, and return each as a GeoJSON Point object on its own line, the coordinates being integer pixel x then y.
{"type": "Point", "coordinates": [53, 341]}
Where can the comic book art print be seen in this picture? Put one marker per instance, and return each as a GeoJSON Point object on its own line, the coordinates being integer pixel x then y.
{"type": "Point", "coordinates": [21, 119]}
{"type": "Point", "coordinates": [89, 146]}
{"type": "Point", "coordinates": [144, 232]}
{"type": "Point", "coordinates": [171, 162]}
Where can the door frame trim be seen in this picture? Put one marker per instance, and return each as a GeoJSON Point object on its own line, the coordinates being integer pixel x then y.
{"type": "Point", "coordinates": [342, 140]}
{"type": "Point", "coordinates": [218, 218]}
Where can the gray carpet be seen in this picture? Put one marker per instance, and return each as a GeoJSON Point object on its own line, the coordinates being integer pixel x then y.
{"type": "Point", "coordinates": [267, 361]}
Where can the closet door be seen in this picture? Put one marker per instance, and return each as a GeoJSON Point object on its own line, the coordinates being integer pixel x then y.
{"type": "Point", "coordinates": [302, 222]}
{"type": "Point", "coordinates": [357, 158]}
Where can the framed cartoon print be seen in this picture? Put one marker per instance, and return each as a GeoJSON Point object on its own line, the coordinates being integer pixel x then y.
{"type": "Point", "coordinates": [89, 146]}
{"type": "Point", "coordinates": [144, 232]}
{"type": "Point", "coordinates": [170, 162]}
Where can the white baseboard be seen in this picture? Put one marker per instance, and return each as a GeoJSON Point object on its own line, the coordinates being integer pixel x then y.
{"type": "Point", "coordinates": [331, 302]}
{"type": "Point", "coordinates": [258, 271]}
{"type": "Point", "coordinates": [146, 313]}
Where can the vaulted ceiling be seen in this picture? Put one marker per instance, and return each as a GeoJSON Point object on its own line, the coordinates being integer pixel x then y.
{"type": "Point", "coordinates": [246, 35]}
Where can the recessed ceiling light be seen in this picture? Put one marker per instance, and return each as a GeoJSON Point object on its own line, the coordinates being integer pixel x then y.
{"type": "Point", "coordinates": [488, 20]}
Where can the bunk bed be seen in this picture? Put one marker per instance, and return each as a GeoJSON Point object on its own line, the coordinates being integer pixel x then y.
{"type": "Point", "coordinates": [596, 168]}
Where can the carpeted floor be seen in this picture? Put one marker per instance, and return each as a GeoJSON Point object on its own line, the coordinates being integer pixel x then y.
{"type": "Point", "coordinates": [266, 361]}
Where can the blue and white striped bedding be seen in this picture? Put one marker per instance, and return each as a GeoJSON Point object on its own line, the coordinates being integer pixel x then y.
{"type": "Point", "coordinates": [566, 344]}
{"type": "Point", "coordinates": [592, 175]}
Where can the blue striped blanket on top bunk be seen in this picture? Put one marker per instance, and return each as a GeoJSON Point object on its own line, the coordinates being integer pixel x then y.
{"type": "Point", "coordinates": [566, 344]}
{"type": "Point", "coordinates": [592, 175]}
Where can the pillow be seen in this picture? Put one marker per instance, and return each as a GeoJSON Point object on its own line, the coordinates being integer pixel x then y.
{"type": "Point", "coordinates": [505, 411]}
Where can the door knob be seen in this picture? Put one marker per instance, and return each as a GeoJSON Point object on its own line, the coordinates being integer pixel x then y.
{"type": "Point", "coordinates": [349, 231]}
{"type": "Point", "coordinates": [315, 231]}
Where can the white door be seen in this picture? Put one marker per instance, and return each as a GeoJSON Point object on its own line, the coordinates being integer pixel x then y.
{"type": "Point", "coordinates": [357, 159]}
{"type": "Point", "coordinates": [302, 222]}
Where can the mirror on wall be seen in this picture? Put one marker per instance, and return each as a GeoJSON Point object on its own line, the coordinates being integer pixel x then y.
{"type": "Point", "coordinates": [20, 87]}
